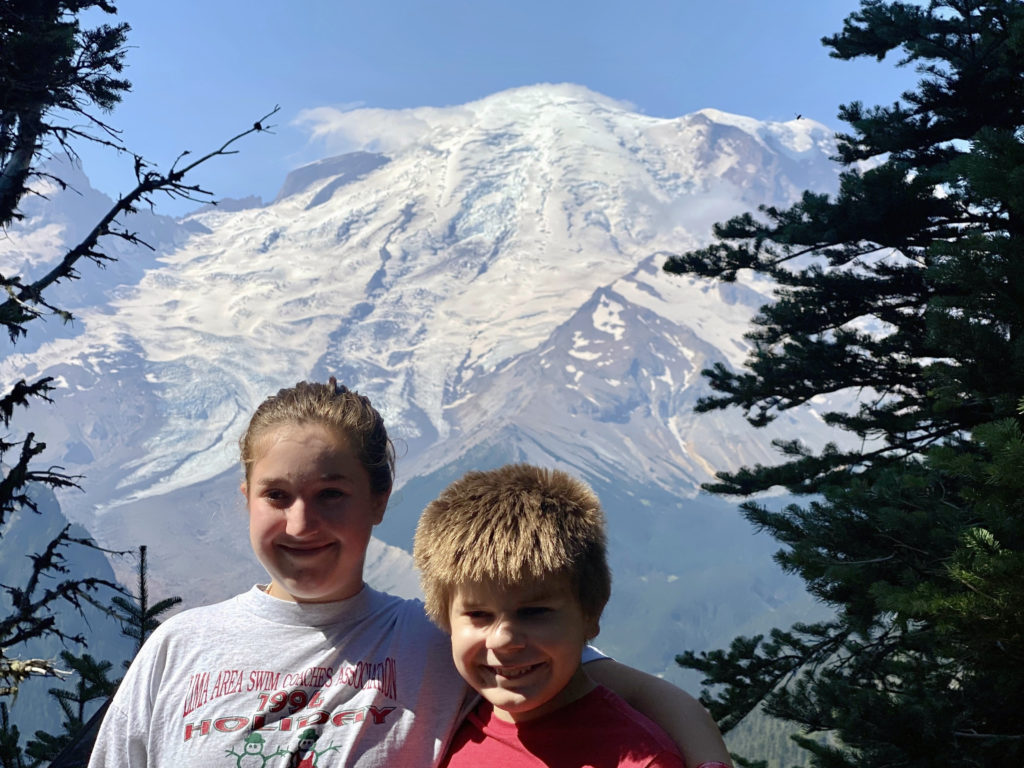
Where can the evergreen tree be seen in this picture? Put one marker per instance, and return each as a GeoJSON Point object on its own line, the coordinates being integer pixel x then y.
{"type": "Point", "coordinates": [907, 288]}
{"type": "Point", "coordinates": [92, 683]}
{"type": "Point", "coordinates": [11, 755]}
{"type": "Point", "coordinates": [138, 618]}
{"type": "Point", "coordinates": [56, 77]}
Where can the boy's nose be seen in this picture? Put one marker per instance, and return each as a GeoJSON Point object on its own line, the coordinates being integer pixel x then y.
{"type": "Point", "coordinates": [504, 634]}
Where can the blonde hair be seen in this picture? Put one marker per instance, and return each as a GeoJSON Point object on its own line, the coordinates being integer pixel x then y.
{"type": "Point", "coordinates": [508, 526]}
{"type": "Point", "coordinates": [336, 407]}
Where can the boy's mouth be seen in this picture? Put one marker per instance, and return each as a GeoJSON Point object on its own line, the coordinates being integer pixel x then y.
{"type": "Point", "coordinates": [511, 673]}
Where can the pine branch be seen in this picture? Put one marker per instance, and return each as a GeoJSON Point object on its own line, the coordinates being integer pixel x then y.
{"type": "Point", "coordinates": [25, 301]}
{"type": "Point", "coordinates": [32, 613]}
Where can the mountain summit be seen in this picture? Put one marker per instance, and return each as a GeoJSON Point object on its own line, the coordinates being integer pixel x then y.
{"type": "Point", "coordinates": [489, 274]}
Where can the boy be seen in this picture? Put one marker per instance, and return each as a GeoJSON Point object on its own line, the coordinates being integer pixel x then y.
{"type": "Point", "coordinates": [513, 567]}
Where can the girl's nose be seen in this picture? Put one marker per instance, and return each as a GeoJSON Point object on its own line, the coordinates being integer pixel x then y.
{"type": "Point", "coordinates": [300, 520]}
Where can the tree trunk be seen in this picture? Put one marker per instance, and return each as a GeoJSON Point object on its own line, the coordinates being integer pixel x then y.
{"type": "Point", "coordinates": [18, 163]}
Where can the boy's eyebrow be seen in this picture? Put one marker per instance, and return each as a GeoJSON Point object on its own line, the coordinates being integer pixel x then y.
{"type": "Point", "coordinates": [540, 594]}
{"type": "Point", "coordinates": [466, 600]}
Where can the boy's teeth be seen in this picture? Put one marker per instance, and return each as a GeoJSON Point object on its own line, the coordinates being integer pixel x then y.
{"type": "Point", "coordinates": [512, 672]}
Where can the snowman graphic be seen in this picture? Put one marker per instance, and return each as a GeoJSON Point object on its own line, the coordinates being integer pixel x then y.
{"type": "Point", "coordinates": [304, 756]}
{"type": "Point", "coordinates": [252, 753]}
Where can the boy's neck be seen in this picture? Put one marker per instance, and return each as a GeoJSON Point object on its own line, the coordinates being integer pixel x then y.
{"type": "Point", "coordinates": [579, 685]}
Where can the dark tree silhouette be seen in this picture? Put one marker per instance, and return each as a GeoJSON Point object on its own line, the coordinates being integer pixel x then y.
{"type": "Point", "coordinates": [57, 81]}
{"type": "Point", "coordinates": [906, 287]}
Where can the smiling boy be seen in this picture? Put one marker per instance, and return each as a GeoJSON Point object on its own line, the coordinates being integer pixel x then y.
{"type": "Point", "coordinates": [513, 566]}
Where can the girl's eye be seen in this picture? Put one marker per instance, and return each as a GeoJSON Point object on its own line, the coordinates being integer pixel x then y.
{"type": "Point", "coordinates": [331, 493]}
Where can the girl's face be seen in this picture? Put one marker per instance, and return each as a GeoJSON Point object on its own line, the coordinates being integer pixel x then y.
{"type": "Point", "coordinates": [311, 512]}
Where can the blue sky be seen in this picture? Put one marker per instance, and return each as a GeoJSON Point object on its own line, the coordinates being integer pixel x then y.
{"type": "Point", "coordinates": [204, 70]}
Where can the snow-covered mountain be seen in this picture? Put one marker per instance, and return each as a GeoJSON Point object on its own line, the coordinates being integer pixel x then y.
{"type": "Point", "coordinates": [489, 275]}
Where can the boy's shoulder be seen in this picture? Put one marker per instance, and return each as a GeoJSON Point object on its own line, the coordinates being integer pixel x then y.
{"type": "Point", "coordinates": [613, 721]}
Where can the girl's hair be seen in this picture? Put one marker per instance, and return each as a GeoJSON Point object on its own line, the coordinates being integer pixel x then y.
{"type": "Point", "coordinates": [336, 407]}
{"type": "Point", "coordinates": [512, 525]}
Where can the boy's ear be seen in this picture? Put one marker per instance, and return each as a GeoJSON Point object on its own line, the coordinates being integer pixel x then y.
{"type": "Point", "coordinates": [593, 627]}
{"type": "Point", "coordinates": [244, 488]}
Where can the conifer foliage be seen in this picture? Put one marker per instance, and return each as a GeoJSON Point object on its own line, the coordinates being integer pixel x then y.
{"type": "Point", "coordinates": [906, 287]}
{"type": "Point", "coordinates": [138, 618]}
{"type": "Point", "coordinates": [59, 78]}
{"type": "Point", "coordinates": [91, 683]}
{"type": "Point", "coordinates": [54, 77]}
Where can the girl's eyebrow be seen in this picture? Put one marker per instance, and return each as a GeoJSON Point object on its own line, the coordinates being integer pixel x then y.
{"type": "Point", "coordinates": [329, 477]}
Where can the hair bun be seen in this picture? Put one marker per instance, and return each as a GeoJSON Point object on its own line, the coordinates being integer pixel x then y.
{"type": "Point", "coordinates": [339, 389]}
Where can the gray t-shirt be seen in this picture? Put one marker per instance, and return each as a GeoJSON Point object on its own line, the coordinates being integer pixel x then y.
{"type": "Point", "coordinates": [255, 682]}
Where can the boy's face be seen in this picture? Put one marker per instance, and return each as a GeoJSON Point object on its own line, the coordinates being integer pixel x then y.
{"type": "Point", "coordinates": [520, 646]}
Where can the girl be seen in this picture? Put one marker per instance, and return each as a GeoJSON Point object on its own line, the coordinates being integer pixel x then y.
{"type": "Point", "coordinates": [316, 668]}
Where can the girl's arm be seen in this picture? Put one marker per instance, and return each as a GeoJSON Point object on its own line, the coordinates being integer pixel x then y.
{"type": "Point", "coordinates": [680, 715]}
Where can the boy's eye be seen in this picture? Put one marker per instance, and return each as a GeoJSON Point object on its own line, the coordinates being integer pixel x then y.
{"type": "Point", "coordinates": [532, 611]}
{"type": "Point", "coordinates": [477, 615]}
{"type": "Point", "coordinates": [275, 495]}
{"type": "Point", "coordinates": [331, 493]}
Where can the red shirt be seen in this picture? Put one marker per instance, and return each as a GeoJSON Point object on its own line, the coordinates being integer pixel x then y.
{"type": "Point", "coordinates": [599, 730]}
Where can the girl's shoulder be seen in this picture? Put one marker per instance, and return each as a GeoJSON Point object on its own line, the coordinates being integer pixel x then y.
{"type": "Point", "coordinates": [201, 618]}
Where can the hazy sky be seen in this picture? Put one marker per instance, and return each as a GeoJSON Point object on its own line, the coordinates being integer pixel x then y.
{"type": "Point", "coordinates": [202, 71]}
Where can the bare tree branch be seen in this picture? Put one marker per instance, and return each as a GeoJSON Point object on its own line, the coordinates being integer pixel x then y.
{"type": "Point", "coordinates": [24, 301]}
